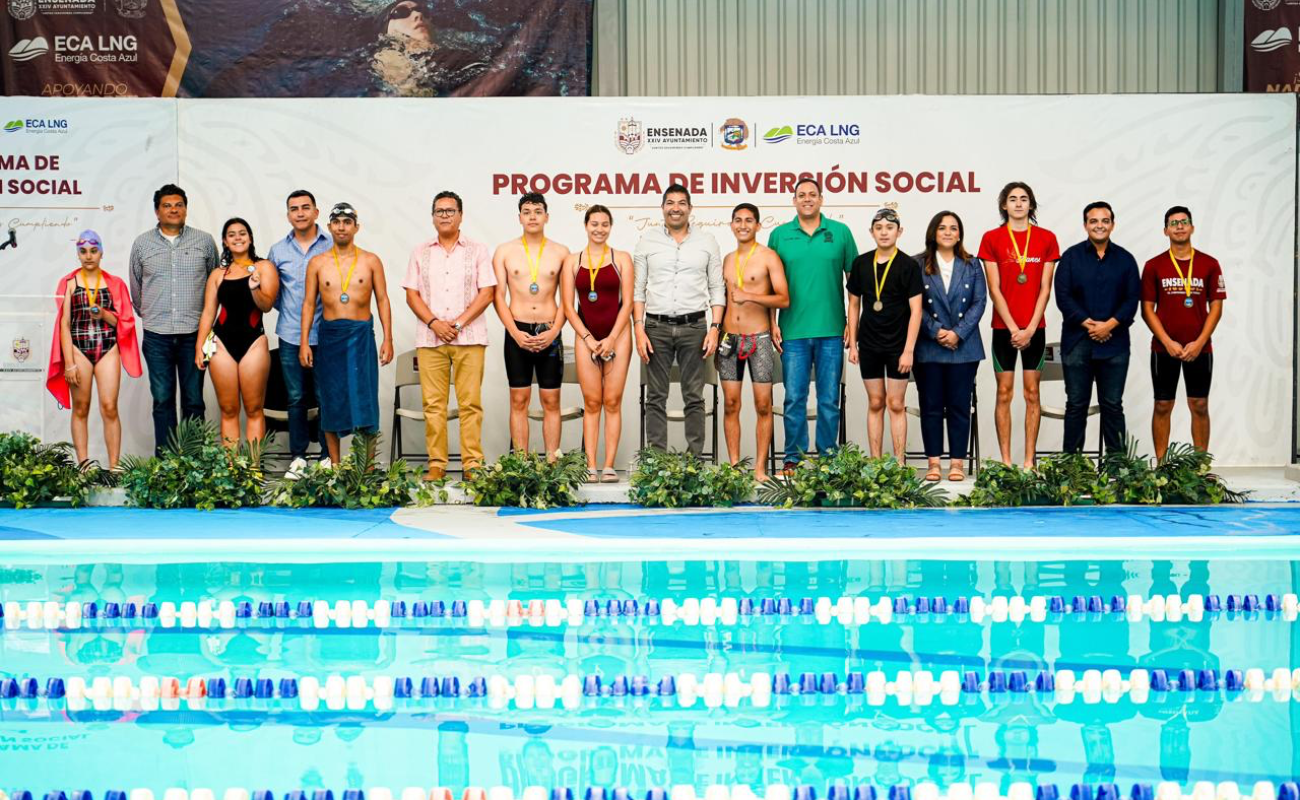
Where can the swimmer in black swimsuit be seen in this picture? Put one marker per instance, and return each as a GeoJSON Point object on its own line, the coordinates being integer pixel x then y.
{"type": "Point", "coordinates": [236, 298]}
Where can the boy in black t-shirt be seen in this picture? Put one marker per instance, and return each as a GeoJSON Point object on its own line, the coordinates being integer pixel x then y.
{"type": "Point", "coordinates": [885, 288]}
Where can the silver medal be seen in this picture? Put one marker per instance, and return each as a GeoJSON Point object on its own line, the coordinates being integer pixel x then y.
{"type": "Point", "coordinates": [343, 298]}
{"type": "Point", "coordinates": [877, 306]}
{"type": "Point", "coordinates": [534, 288]}
{"type": "Point", "coordinates": [1022, 278]}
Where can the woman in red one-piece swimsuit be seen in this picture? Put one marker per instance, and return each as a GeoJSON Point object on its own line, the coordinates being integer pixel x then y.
{"type": "Point", "coordinates": [597, 295]}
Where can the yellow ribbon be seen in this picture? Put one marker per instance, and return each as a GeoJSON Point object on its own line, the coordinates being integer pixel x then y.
{"type": "Point", "coordinates": [880, 279]}
{"type": "Point", "coordinates": [1191, 262]}
{"type": "Point", "coordinates": [344, 281]}
{"type": "Point", "coordinates": [1021, 257]}
{"type": "Point", "coordinates": [590, 269]}
{"type": "Point", "coordinates": [740, 265]}
{"type": "Point", "coordinates": [533, 266]}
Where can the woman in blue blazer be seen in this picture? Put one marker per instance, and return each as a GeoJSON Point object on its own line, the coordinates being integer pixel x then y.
{"type": "Point", "coordinates": [949, 349]}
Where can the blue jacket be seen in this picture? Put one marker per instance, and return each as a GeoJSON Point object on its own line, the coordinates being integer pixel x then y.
{"type": "Point", "coordinates": [958, 308]}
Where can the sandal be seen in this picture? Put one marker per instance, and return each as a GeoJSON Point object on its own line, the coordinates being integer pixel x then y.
{"type": "Point", "coordinates": [956, 474]}
{"type": "Point", "coordinates": [609, 475]}
{"type": "Point", "coordinates": [592, 476]}
{"type": "Point", "coordinates": [932, 474]}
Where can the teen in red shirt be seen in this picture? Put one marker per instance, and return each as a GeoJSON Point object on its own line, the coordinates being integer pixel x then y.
{"type": "Point", "coordinates": [1019, 258]}
{"type": "Point", "coordinates": [1182, 300]}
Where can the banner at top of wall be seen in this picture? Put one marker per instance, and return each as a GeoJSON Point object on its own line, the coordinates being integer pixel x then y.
{"type": "Point", "coordinates": [295, 48]}
{"type": "Point", "coordinates": [1272, 51]}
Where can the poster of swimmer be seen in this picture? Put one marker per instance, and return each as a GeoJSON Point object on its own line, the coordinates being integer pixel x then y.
{"type": "Point", "coordinates": [296, 48]}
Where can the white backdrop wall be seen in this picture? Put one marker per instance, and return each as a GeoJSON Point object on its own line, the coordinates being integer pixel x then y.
{"type": "Point", "coordinates": [1231, 158]}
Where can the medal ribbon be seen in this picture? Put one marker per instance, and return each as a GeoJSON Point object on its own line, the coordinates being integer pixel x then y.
{"type": "Point", "coordinates": [344, 281]}
{"type": "Point", "coordinates": [590, 269]}
{"type": "Point", "coordinates": [875, 273]}
{"type": "Point", "coordinates": [535, 266]}
{"type": "Point", "coordinates": [740, 265]}
{"type": "Point", "coordinates": [1021, 257]}
{"type": "Point", "coordinates": [99, 281]}
{"type": "Point", "coordinates": [1191, 262]}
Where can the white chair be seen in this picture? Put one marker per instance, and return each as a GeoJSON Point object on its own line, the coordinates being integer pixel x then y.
{"type": "Point", "coordinates": [778, 407]}
{"type": "Point", "coordinates": [1054, 371]}
{"type": "Point", "coordinates": [408, 374]}
{"type": "Point", "coordinates": [678, 415]}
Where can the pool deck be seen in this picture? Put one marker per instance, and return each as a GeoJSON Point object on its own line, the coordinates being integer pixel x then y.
{"type": "Point", "coordinates": [1266, 527]}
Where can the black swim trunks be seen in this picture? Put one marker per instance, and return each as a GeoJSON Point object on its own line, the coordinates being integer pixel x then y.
{"type": "Point", "coordinates": [1004, 354]}
{"type": "Point", "coordinates": [521, 364]}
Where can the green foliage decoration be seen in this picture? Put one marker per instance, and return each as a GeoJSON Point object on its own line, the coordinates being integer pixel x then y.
{"type": "Point", "coordinates": [527, 480]}
{"type": "Point", "coordinates": [195, 470]}
{"type": "Point", "coordinates": [32, 473]}
{"type": "Point", "coordinates": [358, 481]}
{"type": "Point", "coordinates": [850, 477]}
{"type": "Point", "coordinates": [664, 479]}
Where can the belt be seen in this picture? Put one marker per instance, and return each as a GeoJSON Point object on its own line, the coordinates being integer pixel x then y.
{"type": "Point", "coordinates": [680, 319]}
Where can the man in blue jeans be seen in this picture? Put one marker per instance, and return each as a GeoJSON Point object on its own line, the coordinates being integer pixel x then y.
{"type": "Point", "coordinates": [169, 268]}
{"type": "Point", "coordinates": [290, 256]}
{"type": "Point", "coordinates": [811, 334]}
{"type": "Point", "coordinates": [1098, 290]}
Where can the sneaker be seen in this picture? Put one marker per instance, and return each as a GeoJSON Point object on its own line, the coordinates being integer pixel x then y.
{"type": "Point", "coordinates": [294, 472]}
{"type": "Point", "coordinates": [325, 463]}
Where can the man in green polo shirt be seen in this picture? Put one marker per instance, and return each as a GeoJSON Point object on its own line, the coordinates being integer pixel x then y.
{"type": "Point", "coordinates": [817, 253]}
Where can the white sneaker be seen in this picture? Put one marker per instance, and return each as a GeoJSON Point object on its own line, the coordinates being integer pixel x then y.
{"type": "Point", "coordinates": [325, 463]}
{"type": "Point", "coordinates": [295, 469]}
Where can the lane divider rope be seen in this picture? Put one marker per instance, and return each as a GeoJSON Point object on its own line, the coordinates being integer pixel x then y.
{"type": "Point", "coordinates": [210, 614]}
{"type": "Point", "coordinates": [984, 790]}
{"type": "Point", "coordinates": [714, 690]}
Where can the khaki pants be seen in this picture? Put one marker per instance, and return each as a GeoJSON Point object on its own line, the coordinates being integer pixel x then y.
{"type": "Point", "coordinates": [437, 365]}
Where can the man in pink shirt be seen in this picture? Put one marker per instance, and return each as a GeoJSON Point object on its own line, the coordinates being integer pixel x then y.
{"type": "Point", "coordinates": [449, 284]}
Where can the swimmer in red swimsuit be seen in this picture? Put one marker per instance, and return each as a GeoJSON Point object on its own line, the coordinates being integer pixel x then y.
{"type": "Point", "coordinates": [597, 292]}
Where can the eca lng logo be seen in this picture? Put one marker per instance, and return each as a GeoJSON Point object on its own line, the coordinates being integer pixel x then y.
{"type": "Point", "coordinates": [27, 49]}
{"type": "Point", "coordinates": [1268, 41]}
{"type": "Point", "coordinates": [22, 9]}
{"type": "Point", "coordinates": [631, 135]}
{"type": "Point", "coordinates": [735, 134]}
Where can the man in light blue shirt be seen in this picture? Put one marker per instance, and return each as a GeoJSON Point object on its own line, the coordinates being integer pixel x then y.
{"type": "Point", "coordinates": [290, 256]}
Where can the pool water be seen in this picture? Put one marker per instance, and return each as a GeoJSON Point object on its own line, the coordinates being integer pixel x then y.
{"type": "Point", "coordinates": [651, 741]}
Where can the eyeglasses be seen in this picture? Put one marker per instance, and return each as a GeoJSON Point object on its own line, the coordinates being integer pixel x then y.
{"type": "Point", "coordinates": [404, 10]}
{"type": "Point", "coordinates": [446, 212]}
{"type": "Point", "coordinates": [1179, 223]}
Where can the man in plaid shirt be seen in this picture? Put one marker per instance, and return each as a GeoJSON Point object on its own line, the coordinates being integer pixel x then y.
{"type": "Point", "coordinates": [169, 269]}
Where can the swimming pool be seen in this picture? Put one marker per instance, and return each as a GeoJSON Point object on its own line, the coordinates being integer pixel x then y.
{"type": "Point", "coordinates": [901, 670]}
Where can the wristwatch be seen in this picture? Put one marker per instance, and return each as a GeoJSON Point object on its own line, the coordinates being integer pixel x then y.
{"type": "Point", "coordinates": [715, 325]}
{"type": "Point", "coordinates": [457, 326]}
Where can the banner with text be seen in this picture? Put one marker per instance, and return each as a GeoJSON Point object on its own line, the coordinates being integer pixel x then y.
{"type": "Point", "coordinates": [1272, 51]}
{"type": "Point", "coordinates": [1232, 163]}
{"type": "Point", "coordinates": [295, 48]}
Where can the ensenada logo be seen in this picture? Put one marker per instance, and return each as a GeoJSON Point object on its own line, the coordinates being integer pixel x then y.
{"type": "Point", "coordinates": [735, 134]}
